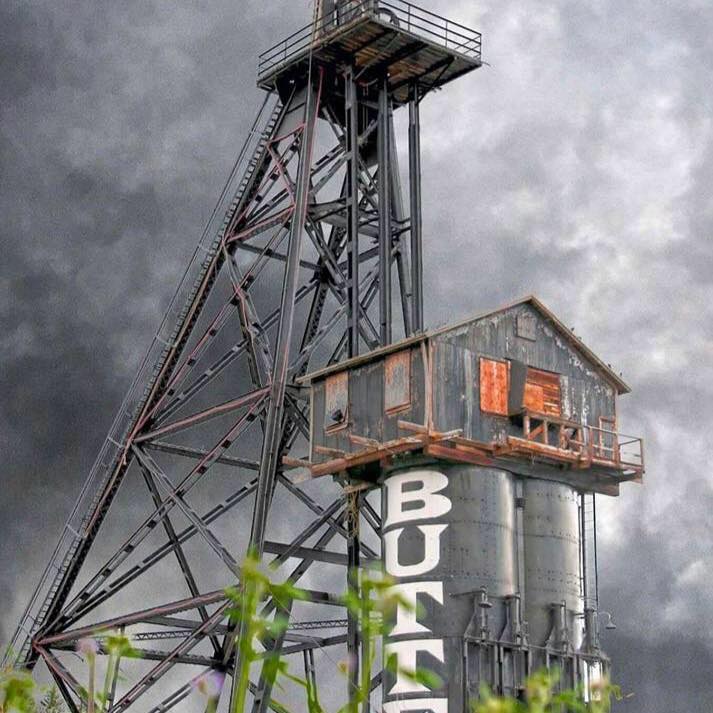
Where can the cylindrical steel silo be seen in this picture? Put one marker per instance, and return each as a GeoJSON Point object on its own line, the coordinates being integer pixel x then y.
{"type": "Point", "coordinates": [449, 532]}
{"type": "Point", "coordinates": [553, 606]}
{"type": "Point", "coordinates": [453, 541]}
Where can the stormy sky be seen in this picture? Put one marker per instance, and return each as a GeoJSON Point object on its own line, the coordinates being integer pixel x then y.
{"type": "Point", "coordinates": [577, 166]}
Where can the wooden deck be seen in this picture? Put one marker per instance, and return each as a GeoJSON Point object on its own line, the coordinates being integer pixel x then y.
{"type": "Point", "coordinates": [376, 46]}
{"type": "Point", "coordinates": [370, 458]}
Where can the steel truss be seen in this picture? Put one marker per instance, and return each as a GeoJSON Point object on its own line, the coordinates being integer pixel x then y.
{"type": "Point", "coordinates": [311, 263]}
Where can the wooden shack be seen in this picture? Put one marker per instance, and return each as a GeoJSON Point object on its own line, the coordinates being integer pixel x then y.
{"type": "Point", "coordinates": [513, 388]}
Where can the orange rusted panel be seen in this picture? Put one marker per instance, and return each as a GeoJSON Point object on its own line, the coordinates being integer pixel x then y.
{"type": "Point", "coordinates": [494, 386]}
{"type": "Point", "coordinates": [534, 398]}
{"type": "Point", "coordinates": [397, 381]}
{"type": "Point", "coordinates": [542, 392]}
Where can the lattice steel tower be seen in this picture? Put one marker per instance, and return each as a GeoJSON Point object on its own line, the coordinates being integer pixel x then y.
{"type": "Point", "coordinates": [294, 349]}
{"type": "Point", "coordinates": [311, 256]}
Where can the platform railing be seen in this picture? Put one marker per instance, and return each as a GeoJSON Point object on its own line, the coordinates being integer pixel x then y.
{"type": "Point", "coordinates": [403, 15]}
{"type": "Point", "coordinates": [592, 443]}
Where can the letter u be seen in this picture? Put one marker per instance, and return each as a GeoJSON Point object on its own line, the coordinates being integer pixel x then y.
{"type": "Point", "coordinates": [431, 552]}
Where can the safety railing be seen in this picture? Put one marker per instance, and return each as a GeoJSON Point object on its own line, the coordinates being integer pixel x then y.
{"type": "Point", "coordinates": [592, 443]}
{"type": "Point", "coordinates": [403, 15]}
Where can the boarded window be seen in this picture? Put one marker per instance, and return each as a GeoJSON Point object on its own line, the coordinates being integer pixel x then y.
{"type": "Point", "coordinates": [542, 392]}
{"type": "Point", "coordinates": [494, 386]}
{"type": "Point", "coordinates": [336, 400]}
{"type": "Point", "coordinates": [397, 381]}
{"type": "Point", "coordinates": [526, 327]}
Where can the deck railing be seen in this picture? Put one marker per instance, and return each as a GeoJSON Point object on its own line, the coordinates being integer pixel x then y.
{"type": "Point", "coordinates": [404, 15]}
{"type": "Point", "coordinates": [591, 443]}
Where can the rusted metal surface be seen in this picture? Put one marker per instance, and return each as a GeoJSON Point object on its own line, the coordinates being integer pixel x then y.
{"type": "Point", "coordinates": [542, 392]}
{"type": "Point", "coordinates": [494, 386]}
{"type": "Point", "coordinates": [397, 381]}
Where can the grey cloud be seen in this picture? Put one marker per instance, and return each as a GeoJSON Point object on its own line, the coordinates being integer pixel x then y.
{"type": "Point", "coordinates": [577, 166]}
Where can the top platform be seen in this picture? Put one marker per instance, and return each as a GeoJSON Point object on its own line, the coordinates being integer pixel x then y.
{"type": "Point", "coordinates": [406, 42]}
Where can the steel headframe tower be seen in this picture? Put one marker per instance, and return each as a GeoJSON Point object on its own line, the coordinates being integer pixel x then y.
{"type": "Point", "coordinates": [310, 257]}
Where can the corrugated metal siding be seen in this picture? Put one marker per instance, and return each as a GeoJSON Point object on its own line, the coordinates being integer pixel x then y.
{"type": "Point", "coordinates": [584, 394]}
{"type": "Point", "coordinates": [366, 409]}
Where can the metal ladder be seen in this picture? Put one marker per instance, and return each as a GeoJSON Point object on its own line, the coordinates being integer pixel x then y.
{"type": "Point", "coordinates": [74, 532]}
{"type": "Point", "coordinates": [590, 584]}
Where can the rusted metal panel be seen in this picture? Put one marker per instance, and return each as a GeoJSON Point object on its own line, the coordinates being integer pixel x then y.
{"type": "Point", "coordinates": [397, 381]}
{"type": "Point", "coordinates": [415, 411]}
{"type": "Point", "coordinates": [336, 402]}
{"type": "Point", "coordinates": [534, 397]}
{"type": "Point", "coordinates": [542, 392]}
{"type": "Point", "coordinates": [494, 386]}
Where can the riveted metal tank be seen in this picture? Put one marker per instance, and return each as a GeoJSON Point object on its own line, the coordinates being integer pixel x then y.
{"type": "Point", "coordinates": [552, 563]}
{"type": "Point", "coordinates": [449, 531]}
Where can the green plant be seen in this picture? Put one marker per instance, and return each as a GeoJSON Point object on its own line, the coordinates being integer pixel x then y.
{"type": "Point", "coordinates": [17, 691]}
{"type": "Point", "coordinates": [542, 696]}
{"type": "Point", "coordinates": [373, 603]}
{"type": "Point", "coordinates": [52, 702]}
{"type": "Point", "coordinates": [117, 646]}
{"type": "Point", "coordinates": [255, 587]}
{"type": "Point", "coordinates": [19, 694]}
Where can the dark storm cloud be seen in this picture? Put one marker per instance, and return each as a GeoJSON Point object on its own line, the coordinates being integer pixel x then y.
{"type": "Point", "coordinates": [577, 166]}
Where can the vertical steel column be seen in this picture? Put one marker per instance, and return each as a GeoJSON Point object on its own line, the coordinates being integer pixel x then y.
{"type": "Point", "coordinates": [271, 451]}
{"type": "Point", "coordinates": [403, 269]}
{"type": "Point", "coordinates": [353, 639]}
{"type": "Point", "coordinates": [596, 559]}
{"type": "Point", "coordinates": [351, 111]}
{"type": "Point", "coordinates": [414, 142]}
{"type": "Point", "coordinates": [273, 423]}
{"type": "Point", "coordinates": [384, 178]}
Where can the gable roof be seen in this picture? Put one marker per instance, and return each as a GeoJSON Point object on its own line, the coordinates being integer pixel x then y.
{"type": "Point", "coordinates": [567, 334]}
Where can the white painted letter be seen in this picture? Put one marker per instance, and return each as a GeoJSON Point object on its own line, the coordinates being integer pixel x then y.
{"type": "Point", "coordinates": [431, 552]}
{"type": "Point", "coordinates": [436, 705]}
{"type": "Point", "coordinates": [406, 621]}
{"type": "Point", "coordinates": [432, 505]}
{"type": "Point", "coordinates": [406, 652]}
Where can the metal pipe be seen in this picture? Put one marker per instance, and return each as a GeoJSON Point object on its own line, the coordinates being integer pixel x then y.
{"type": "Point", "coordinates": [352, 143]}
{"type": "Point", "coordinates": [414, 137]}
{"type": "Point", "coordinates": [384, 214]}
{"type": "Point", "coordinates": [353, 638]}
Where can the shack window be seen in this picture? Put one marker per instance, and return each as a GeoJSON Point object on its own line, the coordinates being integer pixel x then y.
{"type": "Point", "coordinates": [526, 327]}
{"type": "Point", "coordinates": [336, 400]}
{"type": "Point", "coordinates": [494, 386]}
{"type": "Point", "coordinates": [397, 381]}
{"type": "Point", "coordinates": [542, 392]}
